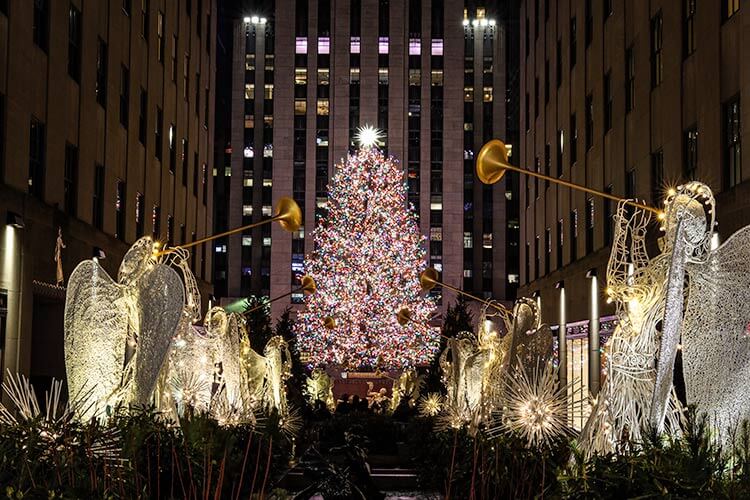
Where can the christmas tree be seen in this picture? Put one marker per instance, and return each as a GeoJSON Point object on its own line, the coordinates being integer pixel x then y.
{"type": "Point", "coordinates": [369, 253]}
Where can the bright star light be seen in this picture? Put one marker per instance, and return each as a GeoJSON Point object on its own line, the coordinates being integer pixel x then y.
{"type": "Point", "coordinates": [368, 136]}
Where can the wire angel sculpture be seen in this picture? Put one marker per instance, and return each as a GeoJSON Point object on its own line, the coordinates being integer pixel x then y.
{"type": "Point", "coordinates": [319, 387]}
{"type": "Point", "coordinates": [264, 376]}
{"type": "Point", "coordinates": [118, 334]}
{"type": "Point", "coordinates": [710, 316]}
{"type": "Point", "coordinates": [407, 387]}
{"type": "Point", "coordinates": [636, 285]}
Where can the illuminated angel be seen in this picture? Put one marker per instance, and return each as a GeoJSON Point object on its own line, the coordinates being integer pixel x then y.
{"type": "Point", "coordinates": [408, 387]}
{"type": "Point", "coordinates": [319, 387]}
{"type": "Point", "coordinates": [531, 341]}
{"type": "Point", "coordinates": [635, 283]}
{"type": "Point", "coordinates": [710, 316]}
{"type": "Point", "coordinates": [264, 376]}
{"type": "Point", "coordinates": [117, 334]}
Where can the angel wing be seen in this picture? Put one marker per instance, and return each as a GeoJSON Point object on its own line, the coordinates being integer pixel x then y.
{"type": "Point", "coordinates": [715, 332]}
{"type": "Point", "coordinates": [160, 296]}
{"type": "Point", "coordinates": [96, 331]}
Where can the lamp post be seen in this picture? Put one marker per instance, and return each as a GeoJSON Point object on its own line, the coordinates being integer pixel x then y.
{"type": "Point", "coordinates": [594, 356]}
{"type": "Point", "coordinates": [562, 338]}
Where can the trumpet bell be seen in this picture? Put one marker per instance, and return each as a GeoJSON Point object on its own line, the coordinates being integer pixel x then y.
{"type": "Point", "coordinates": [403, 316]}
{"type": "Point", "coordinates": [491, 161]}
{"type": "Point", "coordinates": [428, 279]}
{"type": "Point", "coordinates": [329, 322]}
{"type": "Point", "coordinates": [288, 214]}
{"type": "Point", "coordinates": [308, 285]}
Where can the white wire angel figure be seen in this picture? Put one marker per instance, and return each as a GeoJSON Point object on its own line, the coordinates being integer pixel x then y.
{"type": "Point", "coordinates": [709, 316]}
{"type": "Point", "coordinates": [118, 334]}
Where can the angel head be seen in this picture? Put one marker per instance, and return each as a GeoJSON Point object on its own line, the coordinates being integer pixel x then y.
{"type": "Point", "coordinates": [693, 206]}
{"type": "Point", "coordinates": [526, 315]}
{"type": "Point", "coordinates": [136, 261]}
{"type": "Point", "coordinates": [215, 322]}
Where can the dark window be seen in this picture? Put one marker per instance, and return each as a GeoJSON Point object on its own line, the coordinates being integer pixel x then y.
{"type": "Point", "coordinates": [101, 72]}
{"type": "Point", "coordinates": [558, 68]}
{"type": "Point", "coordinates": [70, 180]}
{"type": "Point", "coordinates": [547, 164]}
{"type": "Point", "coordinates": [589, 225]}
{"type": "Point", "coordinates": [608, 220]}
{"type": "Point", "coordinates": [74, 43]}
{"type": "Point", "coordinates": [126, 7]}
{"type": "Point", "coordinates": [160, 36]}
{"type": "Point", "coordinates": [199, 18]}
{"type": "Point", "coordinates": [573, 235]}
{"type": "Point", "coordinates": [120, 210]}
{"type": "Point", "coordinates": [144, 18]}
{"type": "Point", "coordinates": [691, 152]}
{"type": "Point", "coordinates": [41, 24]}
{"type": "Point", "coordinates": [688, 27]}
{"type": "Point", "coordinates": [538, 251]}
{"type": "Point", "coordinates": [546, 81]}
{"type": "Point", "coordinates": [609, 8]}
{"type": "Point", "coordinates": [140, 206]}
{"type": "Point", "coordinates": [204, 176]}
{"type": "Point", "coordinates": [546, 10]}
{"type": "Point", "coordinates": [607, 101]}
{"type": "Point", "coordinates": [2, 135]}
{"type": "Point", "coordinates": [170, 230]}
{"type": "Point", "coordinates": [143, 117]}
{"type": "Point", "coordinates": [174, 58]}
{"type": "Point", "coordinates": [732, 139]}
{"type": "Point", "coordinates": [630, 185]}
{"type": "Point", "coordinates": [589, 139]}
{"type": "Point", "coordinates": [547, 250]}
{"type": "Point", "coordinates": [589, 28]}
{"type": "Point", "coordinates": [195, 174]}
{"type": "Point", "coordinates": [124, 95]}
{"type": "Point", "coordinates": [158, 140]}
{"type": "Point", "coordinates": [657, 45]}
{"type": "Point", "coordinates": [536, 19]}
{"type": "Point", "coordinates": [573, 139]}
{"type": "Point", "coordinates": [172, 149]}
{"type": "Point", "coordinates": [528, 42]}
{"type": "Point", "coordinates": [573, 42]}
{"type": "Point", "coordinates": [729, 8]}
{"type": "Point", "coordinates": [184, 162]}
{"type": "Point", "coordinates": [536, 97]}
{"type": "Point", "coordinates": [528, 116]}
{"type": "Point", "coordinates": [37, 141]}
{"type": "Point", "coordinates": [629, 79]}
{"type": "Point", "coordinates": [4, 7]}
{"type": "Point", "coordinates": [527, 267]}
{"type": "Point", "coordinates": [383, 17]}
{"type": "Point", "coordinates": [97, 217]}
{"type": "Point", "coordinates": [657, 175]}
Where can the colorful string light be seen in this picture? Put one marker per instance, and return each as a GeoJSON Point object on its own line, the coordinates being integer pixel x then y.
{"type": "Point", "coordinates": [369, 253]}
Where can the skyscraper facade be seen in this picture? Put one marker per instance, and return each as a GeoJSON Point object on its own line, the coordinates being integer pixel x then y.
{"type": "Point", "coordinates": [432, 75]}
{"type": "Point", "coordinates": [106, 135]}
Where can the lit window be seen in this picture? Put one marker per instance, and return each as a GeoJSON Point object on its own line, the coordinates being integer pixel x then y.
{"type": "Point", "coordinates": [247, 271]}
{"type": "Point", "coordinates": [438, 266]}
{"type": "Point", "coordinates": [322, 107]}
{"type": "Point", "coordinates": [268, 93]}
{"type": "Point", "coordinates": [512, 278]}
{"type": "Point", "coordinates": [268, 120]}
{"type": "Point", "coordinates": [355, 44]}
{"type": "Point", "coordinates": [415, 77]}
{"type": "Point", "coordinates": [467, 273]}
{"type": "Point", "coordinates": [324, 76]}
{"type": "Point", "coordinates": [383, 45]}
{"type": "Point", "coordinates": [468, 127]}
{"type": "Point", "coordinates": [248, 182]}
{"type": "Point", "coordinates": [436, 234]}
{"type": "Point", "coordinates": [266, 210]}
{"type": "Point", "coordinates": [301, 45]}
{"type": "Point", "coordinates": [468, 94]}
{"type": "Point", "coordinates": [249, 91]}
{"type": "Point", "coordinates": [250, 62]}
{"type": "Point", "coordinates": [268, 151]}
{"type": "Point", "coordinates": [383, 76]}
{"type": "Point", "coordinates": [249, 152]}
{"type": "Point", "coordinates": [487, 94]}
{"type": "Point", "coordinates": [247, 241]}
{"type": "Point", "coordinates": [437, 47]}
{"type": "Point", "coordinates": [267, 183]}
{"type": "Point", "coordinates": [227, 171]}
{"type": "Point", "coordinates": [324, 45]}
{"type": "Point", "coordinates": [436, 205]}
{"type": "Point", "coordinates": [247, 210]}
{"type": "Point", "coordinates": [221, 249]}
{"type": "Point", "coordinates": [299, 233]}
{"type": "Point", "coordinates": [267, 241]}
{"type": "Point", "coordinates": [300, 106]}
{"type": "Point", "coordinates": [249, 121]}
{"type": "Point", "coordinates": [487, 240]}
{"type": "Point", "coordinates": [468, 154]}
{"type": "Point", "coordinates": [300, 76]}
{"type": "Point", "coordinates": [437, 77]}
{"type": "Point", "coordinates": [415, 46]}
{"type": "Point", "coordinates": [321, 202]}
{"type": "Point", "coordinates": [468, 240]}
{"type": "Point", "coordinates": [353, 75]}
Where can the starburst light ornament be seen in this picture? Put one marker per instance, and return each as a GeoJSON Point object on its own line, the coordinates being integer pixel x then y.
{"type": "Point", "coordinates": [369, 136]}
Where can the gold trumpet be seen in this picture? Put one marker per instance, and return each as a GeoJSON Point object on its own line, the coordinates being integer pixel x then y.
{"type": "Point", "coordinates": [429, 278]}
{"type": "Point", "coordinates": [307, 286]}
{"type": "Point", "coordinates": [492, 163]}
{"type": "Point", "coordinates": [288, 215]}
